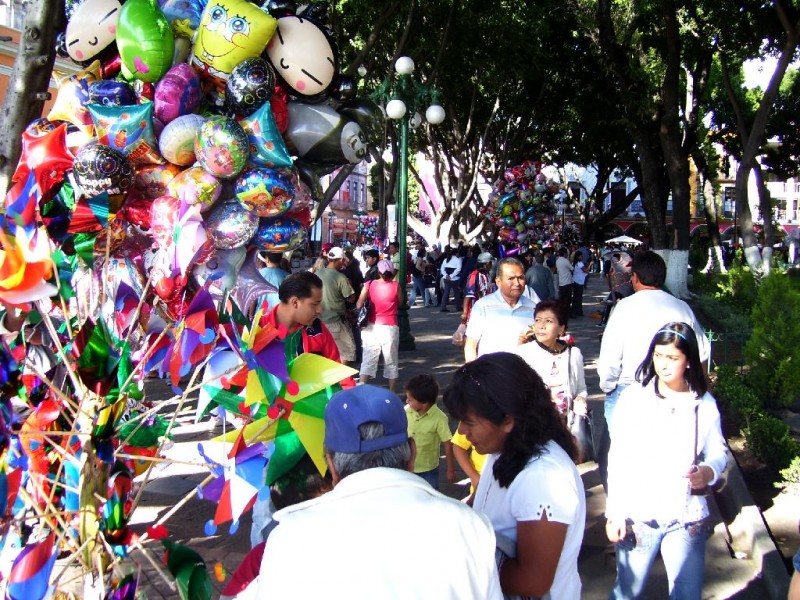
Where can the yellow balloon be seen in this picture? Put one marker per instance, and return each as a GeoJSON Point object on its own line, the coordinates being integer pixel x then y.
{"type": "Point", "coordinates": [230, 31]}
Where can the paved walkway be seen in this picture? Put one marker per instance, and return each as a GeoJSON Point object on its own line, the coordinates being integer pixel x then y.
{"type": "Point", "coordinates": [726, 577]}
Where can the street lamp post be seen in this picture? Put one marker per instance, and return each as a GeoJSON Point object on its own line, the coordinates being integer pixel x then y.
{"type": "Point", "coordinates": [405, 97]}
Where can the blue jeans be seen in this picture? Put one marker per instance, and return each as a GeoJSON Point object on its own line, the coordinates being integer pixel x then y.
{"type": "Point", "coordinates": [416, 288]}
{"type": "Point", "coordinates": [432, 477]}
{"type": "Point", "coordinates": [605, 438]}
{"type": "Point", "coordinates": [682, 547]}
{"type": "Point", "coordinates": [451, 284]}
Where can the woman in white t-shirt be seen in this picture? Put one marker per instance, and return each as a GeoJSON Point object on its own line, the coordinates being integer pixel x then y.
{"type": "Point", "coordinates": [529, 487]}
{"type": "Point", "coordinates": [559, 364]}
{"type": "Point", "coordinates": [579, 274]}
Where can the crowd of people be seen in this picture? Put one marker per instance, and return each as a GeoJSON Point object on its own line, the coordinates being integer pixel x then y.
{"type": "Point", "coordinates": [521, 383]}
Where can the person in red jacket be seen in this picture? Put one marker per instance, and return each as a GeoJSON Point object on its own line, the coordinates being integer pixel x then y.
{"type": "Point", "coordinates": [300, 305]}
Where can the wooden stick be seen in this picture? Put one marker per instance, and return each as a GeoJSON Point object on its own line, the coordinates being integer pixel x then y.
{"type": "Point", "coordinates": [158, 459]}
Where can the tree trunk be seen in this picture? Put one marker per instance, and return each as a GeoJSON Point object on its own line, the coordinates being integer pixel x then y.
{"type": "Point", "coordinates": [715, 263]}
{"type": "Point", "coordinates": [653, 185]}
{"type": "Point", "coordinates": [27, 88]}
{"type": "Point", "coordinates": [745, 218]}
{"type": "Point", "coordinates": [677, 262]}
{"type": "Point", "coordinates": [765, 207]}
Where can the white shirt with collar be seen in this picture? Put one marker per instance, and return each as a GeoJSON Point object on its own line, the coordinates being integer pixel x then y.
{"type": "Point", "coordinates": [365, 539]}
{"type": "Point", "coordinates": [496, 325]}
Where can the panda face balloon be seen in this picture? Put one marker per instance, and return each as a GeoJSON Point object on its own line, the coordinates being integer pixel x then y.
{"type": "Point", "coordinates": [92, 28]}
{"type": "Point", "coordinates": [303, 55]}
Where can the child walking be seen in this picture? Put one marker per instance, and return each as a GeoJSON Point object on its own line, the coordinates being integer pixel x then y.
{"type": "Point", "coordinates": [429, 427]}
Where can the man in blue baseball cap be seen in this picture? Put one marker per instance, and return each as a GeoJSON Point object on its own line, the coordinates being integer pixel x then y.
{"type": "Point", "coordinates": [373, 535]}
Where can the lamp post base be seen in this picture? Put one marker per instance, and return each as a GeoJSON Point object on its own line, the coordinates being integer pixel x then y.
{"type": "Point", "coordinates": [406, 339]}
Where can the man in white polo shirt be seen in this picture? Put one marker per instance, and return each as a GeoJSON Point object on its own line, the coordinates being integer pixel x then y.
{"type": "Point", "coordinates": [497, 320]}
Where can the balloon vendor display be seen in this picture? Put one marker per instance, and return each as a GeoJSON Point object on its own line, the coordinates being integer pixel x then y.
{"type": "Point", "coordinates": [523, 207]}
{"type": "Point", "coordinates": [191, 142]}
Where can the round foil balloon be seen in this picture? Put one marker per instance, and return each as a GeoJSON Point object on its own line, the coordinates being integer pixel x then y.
{"type": "Point", "coordinates": [222, 147]}
{"type": "Point", "coordinates": [177, 140]}
{"type": "Point", "coordinates": [111, 93]}
{"type": "Point", "coordinates": [266, 192]}
{"type": "Point", "coordinates": [195, 185]}
{"type": "Point", "coordinates": [249, 86]}
{"type": "Point", "coordinates": [100, 169]}
{"type": "Point", "coordinates": [150, 181]}
{"type": "Point", "coordinates": [178, 93]}
{"type": "Point", "coordinates": [230, 225]}
{"type": "Point", "coordinates": [279, 234]}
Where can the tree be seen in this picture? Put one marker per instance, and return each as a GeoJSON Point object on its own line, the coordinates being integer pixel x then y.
{"type": "Point", "coordinates": [27, 88]}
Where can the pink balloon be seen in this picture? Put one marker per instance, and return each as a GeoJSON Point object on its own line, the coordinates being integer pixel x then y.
{"type": "Point", "coordinates": [178, 93]}
{"type": "Point", "coordinates": [163, 218]}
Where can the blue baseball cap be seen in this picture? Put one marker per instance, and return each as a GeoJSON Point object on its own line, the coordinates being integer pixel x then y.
{"type": "Point", "coordinates": [351, 408]}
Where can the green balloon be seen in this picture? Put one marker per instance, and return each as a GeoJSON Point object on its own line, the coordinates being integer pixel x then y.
{"type": "Point", "coordinates": [145, 41]}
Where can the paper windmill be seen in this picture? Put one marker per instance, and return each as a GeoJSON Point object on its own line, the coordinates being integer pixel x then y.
{"type": "Point", "coordinates": [25, 267]}
{"type": "Point", "coordinates": [195, 338]}
{"type": "Point", "coordinates": [235, 489]}
{"type": "Point", "coordinates": [304, 410]}
{"type": "Point", "coordinates": [31, 570]}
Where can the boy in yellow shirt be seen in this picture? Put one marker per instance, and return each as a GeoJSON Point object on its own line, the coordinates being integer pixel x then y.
{"type": "Point", "coordinates": [470, 461]}
{"type": "Point", "coordinates": [430, 428]}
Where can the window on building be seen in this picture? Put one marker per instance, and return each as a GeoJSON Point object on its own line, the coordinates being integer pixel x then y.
{"type": "Point", "coordinates": [728, 201]}
{"type": "Point", "coordinates": [11, 13]}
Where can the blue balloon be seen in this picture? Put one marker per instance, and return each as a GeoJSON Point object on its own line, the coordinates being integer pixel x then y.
{"type": "Point", "coordinates": [279, 234]}
{"type": "Point", "coordinates": [267, 192]}
{"type": "Point", "coordinates": [111, 93]}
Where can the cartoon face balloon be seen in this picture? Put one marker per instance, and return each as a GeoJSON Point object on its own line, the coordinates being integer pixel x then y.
{"type": "Point", "coordinates": [304, 56]}
{"type": "Point", "coordinates": [222, 147]}
{"type": "Point", "coordinates": [321, 135]}
{"type": "Point", "coordinates": [230, 31]}
{"type": "Point", "coordinates": [92, 28]}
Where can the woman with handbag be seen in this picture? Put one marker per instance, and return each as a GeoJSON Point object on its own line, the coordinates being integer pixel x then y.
{"type": "Point", "coordinates": [559, 364]}
{"type": "Point", "coordinates": [666, 449]}
{"type": "Point", "coordinates": [381, 335]}
{"type": "Point", "coordinates": [529, 486]}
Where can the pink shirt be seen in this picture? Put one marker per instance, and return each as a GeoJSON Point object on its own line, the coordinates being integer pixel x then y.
{"type": "Point", "coordinates": [383, 295]}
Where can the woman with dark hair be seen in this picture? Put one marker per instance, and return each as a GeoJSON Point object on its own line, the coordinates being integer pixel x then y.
{"type": "Point", "coordinates": [529, 487]}
{"type": "Point", "coordinates": [559, 364]}
{"type": "Point", "coordinates": [666, 448]}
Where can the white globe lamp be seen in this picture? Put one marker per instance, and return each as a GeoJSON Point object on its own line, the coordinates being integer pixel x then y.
{"type": "Point", "coordinates": [435, 114]}
{"type": "Point", "coordinates": [396, 109]}
{"type": "Point", "coordinates": [404, 65]}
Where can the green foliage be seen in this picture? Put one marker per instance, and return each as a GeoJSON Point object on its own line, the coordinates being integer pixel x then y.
{"type": "Point", "coordinates": [731, 389]}
{"type": "Point", "coordinates": [738, 287]}
{"type": "Point", "coordinates": [773, 351]}
{"type": "Point", "coordinates": [770, 440]}
{"type": "Point", "coordinates": [790, 477]}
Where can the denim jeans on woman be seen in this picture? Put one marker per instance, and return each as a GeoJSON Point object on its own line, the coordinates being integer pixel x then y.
{"type": "Point", "coordinates": [605, 436]}
{"type": "Point", "coordinates": [682, 548]}
{"type": "Point", "coordinates": [417, 288]}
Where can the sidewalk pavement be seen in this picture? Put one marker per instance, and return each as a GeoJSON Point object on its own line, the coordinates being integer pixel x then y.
{"type": "Point", "coordinates": [726, 577]}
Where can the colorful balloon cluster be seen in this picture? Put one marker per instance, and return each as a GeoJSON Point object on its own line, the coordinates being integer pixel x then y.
{"type": "Point", "coordinates": [367, 228]}
{"type": "Point", "coordinates": [203, 146]}
{"type": "Point", "coordinates": [522, 205]}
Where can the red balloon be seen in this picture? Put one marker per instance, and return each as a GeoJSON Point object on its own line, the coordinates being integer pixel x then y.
{"type": "Point", "coordinates": [137, 211]}
{"type": "Point", "coordinates": [44, 153]}
{"type": "Point", "coordinates": [280, 109]}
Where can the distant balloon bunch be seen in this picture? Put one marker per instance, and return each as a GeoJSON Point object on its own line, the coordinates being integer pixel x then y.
{"type": "Point", "coordinates": [367, 227]}
{"type": "Point", "coordinates": [522, 205]}
{"type": "Point", "coordinates": [197, 127]}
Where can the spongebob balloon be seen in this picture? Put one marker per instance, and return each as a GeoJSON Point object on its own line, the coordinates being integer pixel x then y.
{"type": "Point", "coordinates": [230, 31]}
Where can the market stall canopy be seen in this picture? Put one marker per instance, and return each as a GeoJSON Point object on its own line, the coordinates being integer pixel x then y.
{"type": "Point", "coordinates": [623, 239]}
